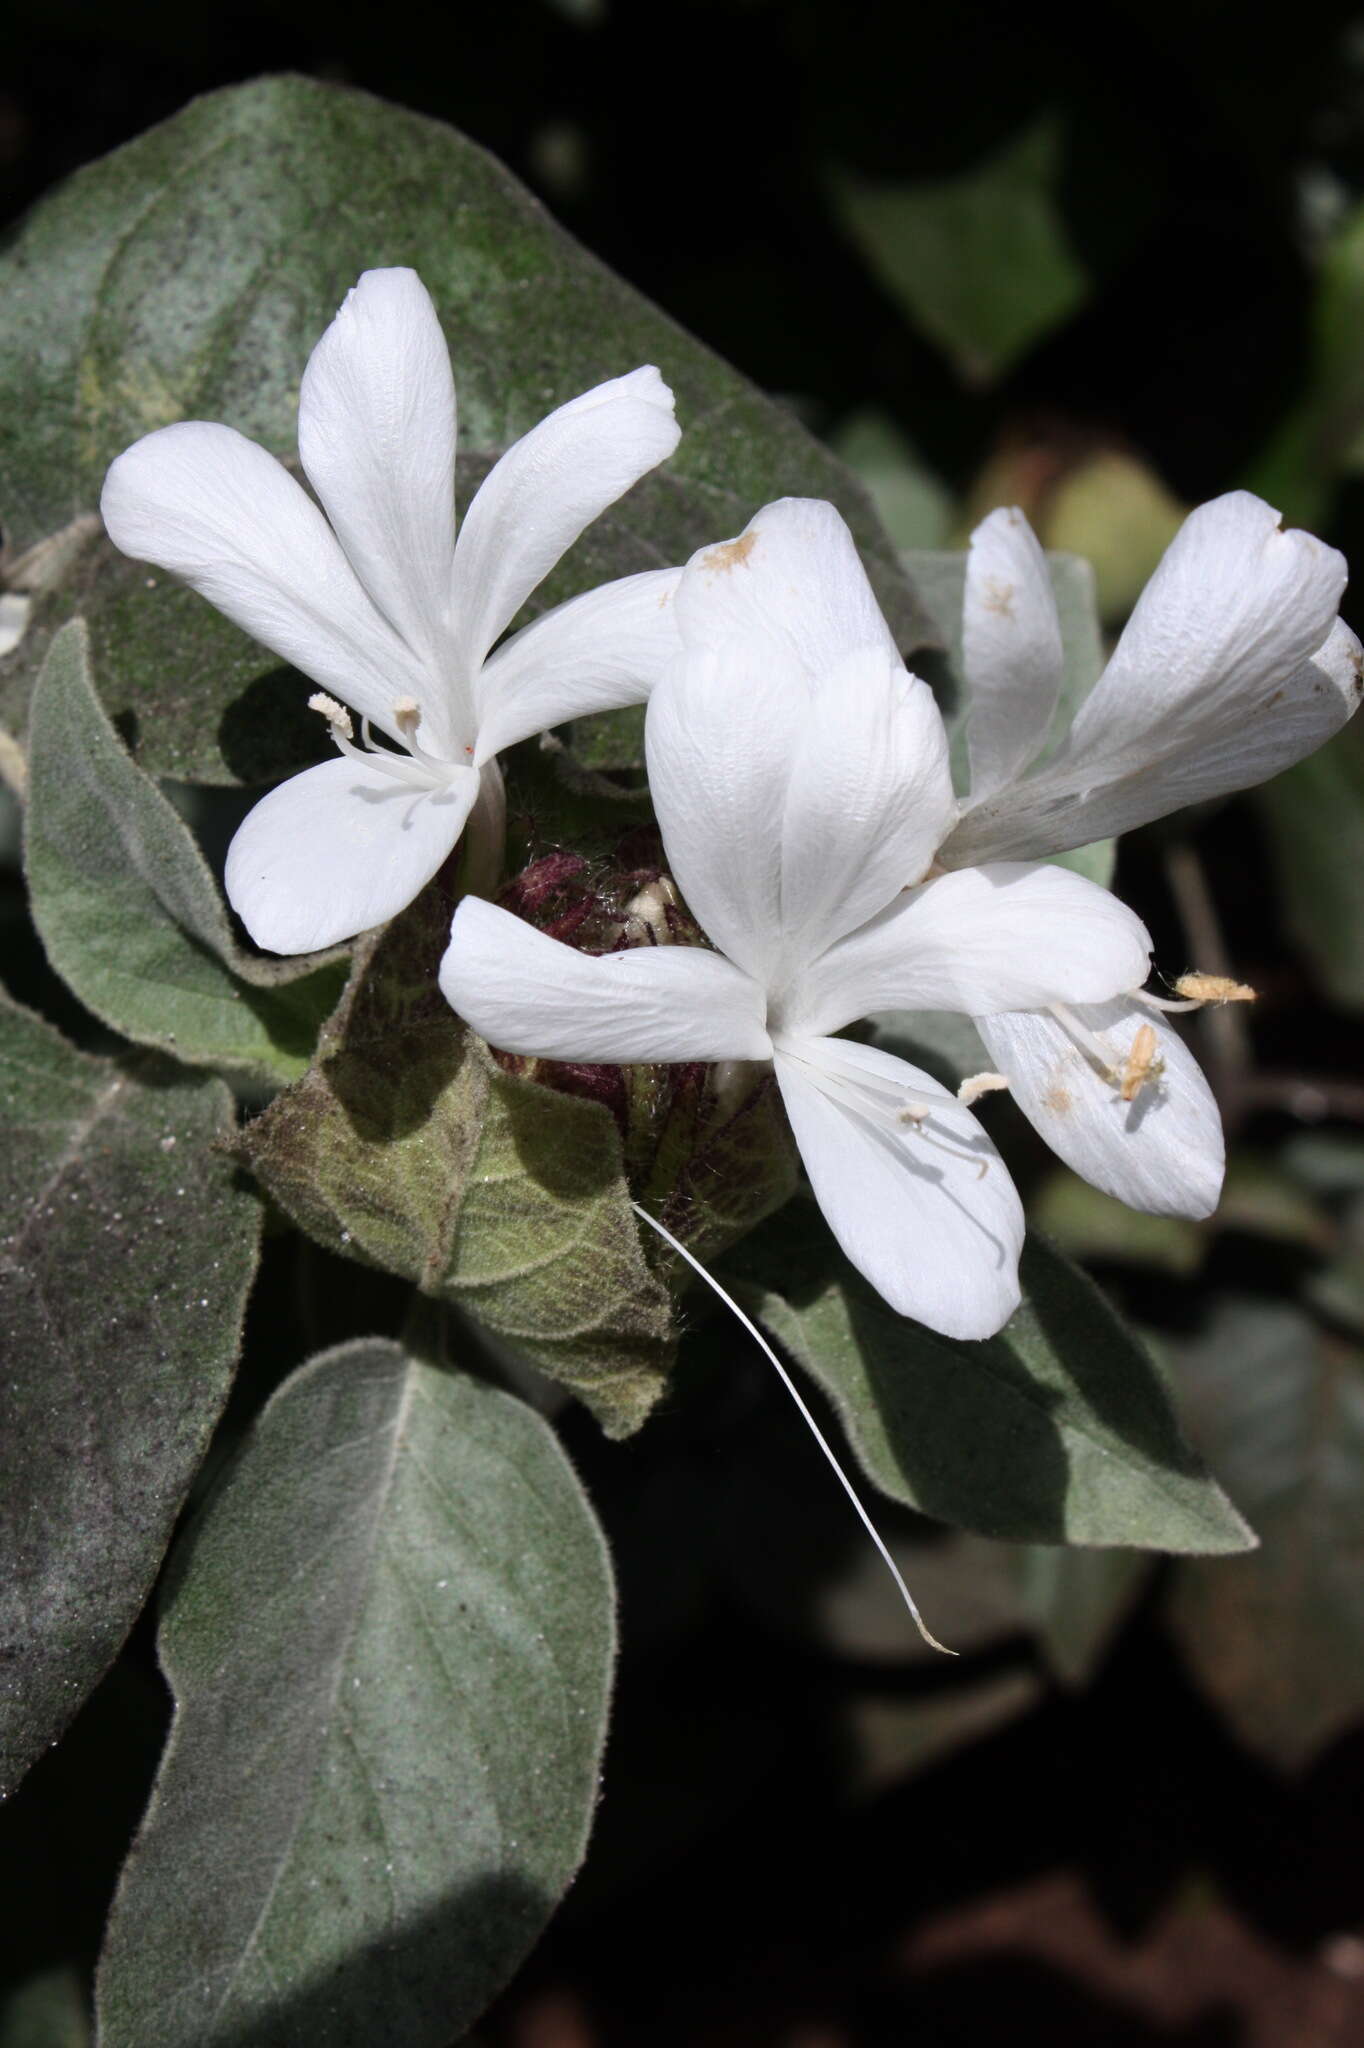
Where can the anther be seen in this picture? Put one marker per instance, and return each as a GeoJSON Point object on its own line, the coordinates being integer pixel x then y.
{"type": "Point", "coordinates": [1142, 1064]}
{"type": "Point", "coordinates": [976, 1085]}
{"type": "Point", "coordinates": [1213, 988]}
{"type": "Point", "coordinates": [336, 715]}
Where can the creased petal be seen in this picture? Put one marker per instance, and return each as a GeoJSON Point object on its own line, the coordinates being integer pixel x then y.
{"type": "Point", "coordinates": [926, 1211]}
{"type": "Point", "coordinates": [1011, 649]}
{"type": "Point", "coordinates": [548, 486]}
{"type": "Point", "coordinates": [720, 735]}
{"type": "Point", "coordinates": [606, 648]}
{"type": "Point", "coordinates": [210, 506]}
{"type": "Point", "coordinates": [527, 993]}
{"type": "Point", "coordinates": [338, 849]}
{"type": "Point", "coordinates": [1161, 1152]}
{"type": "Point", "coordinates": [793, 806]}
{"type": "Point", "coordinates": [793, 575]}
{"type": "Point", "coordinates": [376, 431]}
{"type": "Point", "coordinates": [1007, 937]}
{"type": "Point", "coordinates": [1231, 668]}
{"type": "Point", "coordinates": [868, 801]}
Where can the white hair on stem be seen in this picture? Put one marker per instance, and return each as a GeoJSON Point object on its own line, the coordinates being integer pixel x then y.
{"type": "Point", "coordinates": [756, 1334]}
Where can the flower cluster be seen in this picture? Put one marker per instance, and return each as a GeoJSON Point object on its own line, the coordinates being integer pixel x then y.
{"type": "Point", "coordinates": [799, 773]}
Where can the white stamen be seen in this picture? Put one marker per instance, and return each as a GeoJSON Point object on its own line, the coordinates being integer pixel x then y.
{"type": "Point", "coordinates": [756, 1334]}
{"type": "Point", "coordinates": [881, 1101]}
{"type": "Point", "coordinates": [1163, 1004]}
{"type": "Point", "coordinates": [1089, 1041]}
{"type": "Point", "coordinates": [407, 716]}
{"type": "Point", "coordinates": [976, 1085]}
{"type": "Point", "coordinates": [414, 767]}
{"type": "Point", "coordinates": [336, 715]}
{"type": "Point", "coordinates": [1143, 1064]}
{"type": "Point", "coordinates": [1130, 1073]}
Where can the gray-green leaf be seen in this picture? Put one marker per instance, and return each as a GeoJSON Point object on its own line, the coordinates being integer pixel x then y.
{"type": "Point", "coordinates": [1277, 1639]}
{"type": "Point", "coordinates": [127, 1249]}
{"type": "Point", "coordinates": [190, 274]}
{"type": "Point", "coordinates": [1059, 1430]}
{"type": "Point", "coordinates": [127, 909]}
{"type": "Point", "coordinates": [390, 1639]}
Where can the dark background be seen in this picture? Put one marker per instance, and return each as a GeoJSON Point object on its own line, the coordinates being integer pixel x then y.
{"type": "Point", "coordinates": [1106, 1866]}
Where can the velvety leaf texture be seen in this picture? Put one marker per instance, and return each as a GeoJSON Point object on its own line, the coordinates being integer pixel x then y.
{"type": "Point", "coordinates": [189, 275]}
{"type": "Point", "coordinates": [127, 1247]}
{"type": "Point", "coordinates": [406, 1146]}
{"type": "Point", "coordinates": [1059, 1430]}
{"type": "Point", "coordinates": [390, 1638]}
{"type": "Point", "coordinates": [1277, 1639]}
{"type": "Point", "coordinates": [128, 911]}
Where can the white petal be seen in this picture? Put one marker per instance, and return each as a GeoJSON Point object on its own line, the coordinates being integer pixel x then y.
{"type": "Point", "coordinates": [338, 849]}
{"type": "Point", "coordinates": [792, 807]}
{"type": "Point", "coordinates": [548, 486]}
{"type": "Point", "coordinates": [606, 648]}
{"type": "Point", "coordinates": [213, 508]}
{"type": "Point", "coordinates": [1011, 649]}
{"type": "Point", "coordinates": [794, 575]}
{"type": "Point", "coordinates": [868, 801]}
{"type": "Point", "coordinates": [1232, 667]}
{"type": "Point", "coordinates": [926, 1211]}
{"type": "Point", "coordinates": [720, 736]}
{"type": "Point", "coordinates": [376, 431]}
{"type": "Point", "coordinates": [1161, 1152]}
{"type": "Point", "coordinates": [1008, 937]}
{"type": "Point", "coordinates": [527, 993]}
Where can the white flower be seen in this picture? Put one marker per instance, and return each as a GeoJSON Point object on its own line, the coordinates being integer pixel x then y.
{"type": "Point", "coordinates": [1233, 665]}
{"type": "Point", "coordinates": [797, 790]}
{"type": "Point", "coordinates": [388, 610]}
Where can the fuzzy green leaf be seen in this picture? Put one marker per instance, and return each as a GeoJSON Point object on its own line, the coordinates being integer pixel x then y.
{"type": "Point", "coordinates": [127, 909]}
{"type": "Point", "coordinates": [407, 1146]}
{"type": "Point", "coordinates": [1059, 1430]}
{"type": "Point", "coordinates": [190, 274]}
{"type": "Point", "coordinates": [127, 1249]}
{"type": "Point", "coordinates": [390, 1637]}
{"type": "Point", "coordinates": [1277, 1639]}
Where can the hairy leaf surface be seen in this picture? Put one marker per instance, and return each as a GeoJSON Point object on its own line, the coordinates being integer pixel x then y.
{"type": "Point", "coordinates": [127, 1248]}
{"type": "Point", "coordinates": [390, 1637]}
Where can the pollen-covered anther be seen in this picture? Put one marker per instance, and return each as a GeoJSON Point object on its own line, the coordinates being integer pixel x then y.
{"type": "Point", "coordinates": [976, 1085]}
{"type": "Point", "coordinates": [1142, 1065]}
{"type": "Point", "coordinates": [336, 715]}
{"type": "Point", "coordinates": [1213, 988]}
{"type": "Point", "coordinates": [407, 715]}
